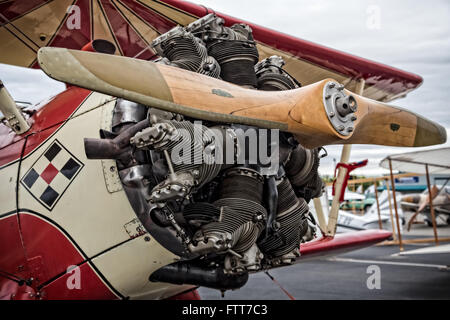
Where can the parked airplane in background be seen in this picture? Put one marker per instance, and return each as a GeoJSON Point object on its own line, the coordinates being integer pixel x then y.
{"type": "Point", "coordinates": [351, 221]}
{"type": "Point", "coordinates": [354, 200]}
{"type": "Point", "coordinates": [90, 187]}
{"type": "Point", "coordinates": [419, 203]}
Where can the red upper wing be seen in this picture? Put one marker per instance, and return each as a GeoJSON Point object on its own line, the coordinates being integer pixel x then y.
{"type": "Point", "coordinates": [27, 25]}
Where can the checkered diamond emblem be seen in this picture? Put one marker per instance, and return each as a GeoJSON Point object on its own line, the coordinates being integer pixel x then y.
{"type": "Point", "coordinates": [52, 173]}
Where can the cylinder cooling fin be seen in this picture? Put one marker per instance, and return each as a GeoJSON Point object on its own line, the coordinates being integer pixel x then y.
{"type": "Point", "coordinates": [282, 246]}
{"type": "Point", "coordinates": [237, 215]}
{"type": "Point", "coordinates": [241, 191]}
{"type": "Point", "coordinates": [302, 171]}
{"type": "Point", "coordinates": [215, 50]}
{"type": "Point", "coordinates": [272, 77]}
{"type": "Point", "coordinates": [237, 60]}
{"type": "Point", "coordinates": [182, 49]}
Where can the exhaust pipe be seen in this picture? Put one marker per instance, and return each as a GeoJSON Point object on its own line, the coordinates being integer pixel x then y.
{"type": "Point", "coordinates": [112, 148]}
{"type": "Point", "coordinates": [185, 273]}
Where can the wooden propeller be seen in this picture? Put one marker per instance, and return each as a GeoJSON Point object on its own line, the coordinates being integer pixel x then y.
{"type": "Point", "coordinates": [316, 114]}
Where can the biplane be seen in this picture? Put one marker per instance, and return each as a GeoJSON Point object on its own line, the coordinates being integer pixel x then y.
{"type": "Point", "coordinates": [94, 204]}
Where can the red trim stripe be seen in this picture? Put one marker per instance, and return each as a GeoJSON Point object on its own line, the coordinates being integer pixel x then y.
{"type": "Point", "coordinates": [49, 254]}
{"type": "Point", "coordinates": [13, 10]}
{"type": "Point", "coordinates": [74, 38]}
{"type": "Point", "coordinates": [156, 21]}
{"type": "Point", "coordinates": [130, 42]}
{"type": "Point", "coordinates": [342, 242]}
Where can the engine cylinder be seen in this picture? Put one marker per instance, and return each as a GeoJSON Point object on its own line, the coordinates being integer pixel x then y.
{"type": "Point", "coordinates": [291, 223]}
{"type": "Point", "coordinates": [236, 60]}
{"type": "Point", "coordinates": [241, 213]}
{"type": "Point", "coordinates": [271, 76]}
{"type": "Point", "coordinates": [183, 50]}
{"type": "Point", "coordinates": [189, 146]}
{"type": "Point", "coordinates": [236, 55]}
{"type": "Point", "coordinates": [301, 170]}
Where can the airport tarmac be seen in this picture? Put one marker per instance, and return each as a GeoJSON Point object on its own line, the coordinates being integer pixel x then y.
{"type": "Point", "coordinates": [346, 276]}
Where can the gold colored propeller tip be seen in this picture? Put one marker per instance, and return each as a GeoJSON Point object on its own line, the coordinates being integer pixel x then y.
{"type": "Point", "coordinates": [429, 133]}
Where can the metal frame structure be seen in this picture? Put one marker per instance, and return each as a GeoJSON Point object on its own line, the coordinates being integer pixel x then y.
{"type": "Point", "coordinates": [375, 181]}
{"type": "Point", "coordinates": [435, 239]}
{"type": "Point", "coordinates": [397, 235]}
{"type": "Point", "coordinates": [390, 185]}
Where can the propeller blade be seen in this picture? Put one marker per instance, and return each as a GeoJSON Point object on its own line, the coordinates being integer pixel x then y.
{"type": "Point", "coordinates": [319, 114]}
{"type": "Point", "coordinates": [384, 124]}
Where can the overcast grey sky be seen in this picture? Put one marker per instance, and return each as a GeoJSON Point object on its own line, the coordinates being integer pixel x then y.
{"type": "Point", "coordinates": [412, 35]}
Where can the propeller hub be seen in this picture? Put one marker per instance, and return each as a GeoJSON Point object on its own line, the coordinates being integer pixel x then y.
{"type": "Point", "coordinates": [340, 108]}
